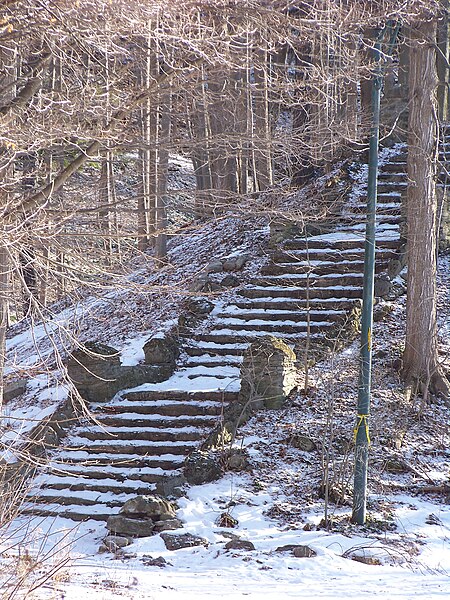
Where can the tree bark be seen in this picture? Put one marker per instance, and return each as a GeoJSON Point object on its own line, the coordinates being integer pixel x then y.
{"type": "Point", "coordinates": [420, 359]}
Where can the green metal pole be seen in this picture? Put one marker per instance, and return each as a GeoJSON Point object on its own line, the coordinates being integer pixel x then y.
{"type": "Point", "coordinates": [362, 440]}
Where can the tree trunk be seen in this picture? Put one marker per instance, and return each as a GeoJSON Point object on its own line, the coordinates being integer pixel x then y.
{"type": "Point", "coordinates": [420, 359]}
{"type": "Point", "coordinates": [4, 299]}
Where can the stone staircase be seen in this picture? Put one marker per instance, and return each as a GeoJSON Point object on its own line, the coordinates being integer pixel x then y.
{"type": "Point", "coordinates": [142, 436]}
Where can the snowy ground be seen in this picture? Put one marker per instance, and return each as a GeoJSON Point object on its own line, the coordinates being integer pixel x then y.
{"type": "Point", "coordinates": [213, 572]}
{"type": "Point", "coordinates": [277, 502]}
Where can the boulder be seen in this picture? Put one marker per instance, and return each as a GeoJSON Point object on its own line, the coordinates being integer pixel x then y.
{"type": "Point", "coordinates": [268, 373]}
{"type": "Point", "coordinates": [200, 307]}
{"type": "Point", "coordinates": [235, 263]}
{"type": "Point", "coordinates": [153, 507]}
{"type": "Point", "coordinates": [184, 540]}
{"type": "Point", "coordinates": [127, 526]}
{"type": "Point", "coordinates": [114, 542]}
{"type": "Point", "coordinates": [238, 544]}
{"type": "Point", "coordinates": [301, 442]}
{"type": "Point", "coordinates": [162, 350]}
{"type": "Point", "coordinates": [230, 281]}
{"type": "Point", "coordinates": [298, 550]}
{"type": "Point", "coordinates": [202, 467]}
{"type": "Point", "coordinates": [215, 266]}
{"type": "Point", "coordinates": [171, 486]}
{"type": "Point", "coordinates": [167, 525]}
{"type": "Point", "coordinates": [13, 389]}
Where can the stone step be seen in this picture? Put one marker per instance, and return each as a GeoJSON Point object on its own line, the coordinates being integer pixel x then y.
{"type": "Point", "coordinates": [292, 305]}
{"type": "Point", "coordinates": [315, 280]}
{"type": "Point", "coordinates": [391, 186]}
{"type": "Point", "coordinates": [252, 336]}
{"type": "Point", "coordinates": [134, 447]}
{"type": "Point", "coordinates": [272, 327]}
{"type": "Point", "coordinates": [107, 460]}
{"type": "Point", "coordinates": [399, 166]}
{"type": "Point", "coordinates": [329, 255]}
{"type": "Point", "coordinates": [341, 241]}
{"type": "Point", "coordinates": [323, 267]}
{"type": "Point", "coordinates": [66, 497]}
{"type": "Point", "coordinates": [292, 292]}
{"type": "Point", "coordinates": [162, 408]}
{"type": "Point", "coordinates": [200, 348]}
{"type": "Point", "coordinates": [101, 486]}
{"type": "Point", "coordinates": [215, 361]}
{"type": "Point", "coordinates": [181, 396]}
{"type": "Point", "coordinates": [95, 512]}
{"type": "Point", "coordinates": [282, 315]}
{"type": "Point", "coordinates": [139, 433]}
{"type": "Point", "coordinates": [357, 216]}
{"type": "Point", "coordinates": [92, 471]}
{"type": "Point", "coordinates": [137, 420]}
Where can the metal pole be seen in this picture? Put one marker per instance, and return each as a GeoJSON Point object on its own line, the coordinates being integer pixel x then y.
{"type": "Point", "coordinates": [362, 440]}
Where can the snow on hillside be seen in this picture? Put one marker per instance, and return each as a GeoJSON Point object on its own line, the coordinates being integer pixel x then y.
{"type": "Point", "coordinates": [279, 500]}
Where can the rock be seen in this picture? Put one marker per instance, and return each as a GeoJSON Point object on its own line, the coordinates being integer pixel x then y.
{"type": "Point", "coordinates": [121, 525]}
{"type": "Point", "coordinates": [268, 373]}
{"type": "Point", "coordinates": [202, 467]}
{"type": "Point", "coordinates": [197, 309]}
{"type": "Point", "coordinates": [398, 288]}
{"type": "Point", "coordinates": [381, 311]}
{"type": "Point", "coordinates": [301, 442]}
{"type": "Point", "coordinates": [281, 230]}
{"type": "Point", "coordinates": [162, 350]}
{"type": "Point", "coordinates": [215, 266]}
{"type": "Point", "coordinates": [382, 285]}
{"type": "Point", "coordinates": [230, 281]}
{"type": "Point", "coordinates": [366, 559]}
{"type": "Point", "coordinates": [153, 507]}
{"type": "Point", "coordinates": [235, 263]}
{"type": "Point", "coordinates": [204, 284]}
{"type": "Point", "coordinates": [238, 544]}
{"type": "Point", "coordinates": [13, 389]}
{"type": "Point", "coordinates": [114, 542]}
{"type": "Point", "coordinates": [183, 540]}
{"type": "Point", "coordinates": [297, 550]}
{"type": "Point", "coordinates": [226, 520]}
{"type": "Point", "coordinates": [303, 552]}
{"type": "Point", "coordinates": [171, 486]}
{"type": "Point", "coordinates": [149, 561]}
{"type": "Point", "coordinates": [237, 460]}
{"type": "Point", "coordinates": [396, 465]}
{"type": "Point", "coordinates": [200, 307]}
{"type": "Point", "coordinates": [167, 525]}
{"type": "Point", "coordinates": [286, 548]}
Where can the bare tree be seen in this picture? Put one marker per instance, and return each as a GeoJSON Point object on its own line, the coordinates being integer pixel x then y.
{"type": "Point", "coordinates": [420, 359]}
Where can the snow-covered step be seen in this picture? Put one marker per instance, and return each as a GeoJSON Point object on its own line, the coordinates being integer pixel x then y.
{"type": "Point", "coordinates": [133, 419]}
{"type": "Point", "coordinates": [81, 483]}
{"type": "Point", "coordinates": [272, 327]}
{"type": "Point", "coordinates": [314, 280]}
{"type": "Point", "coordinates": [111, 471]}
{"type": "Point", "coordinates": [338, 241]}
{"type": "Point", "coordinates": [164, 408]}
{"type": "Point", "coordinates": [294, 304]}
{"type": "Point", "coordinates": [126, 447]}
{"type": "Point", "coordinates": [96, 512]}
{"type": "Point", "coordinates": [329, 254]}
{"type": "Point", "coordinates": [214, 360]}
{"type": "Point", "coordinates": [164, 434]}
{"type": "Point", "coordinates": [81, 497]}
{"type": "Point", "coordinates": [239, 315]}
{"type": "Point", "coordinates": [294, 292]}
